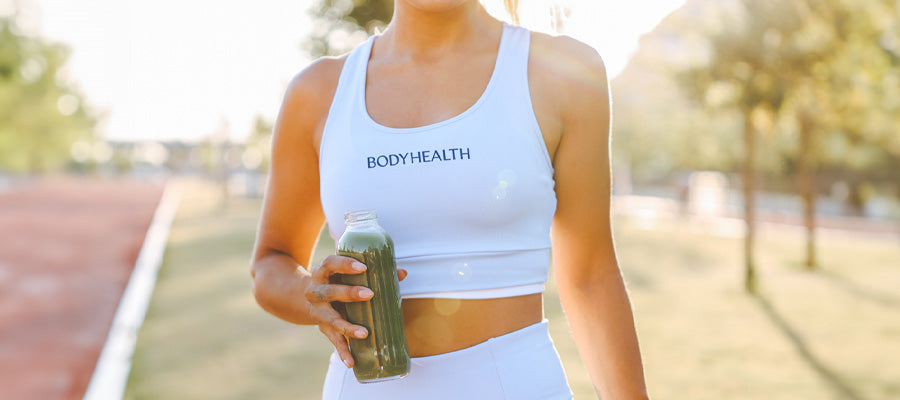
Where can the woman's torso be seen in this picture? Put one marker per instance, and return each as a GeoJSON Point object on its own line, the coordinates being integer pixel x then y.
{"type": "Point", "coordinates": [407, 93]}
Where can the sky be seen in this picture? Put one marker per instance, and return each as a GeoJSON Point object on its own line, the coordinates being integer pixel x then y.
{"type": "Point", "coordinates": [187, 69]}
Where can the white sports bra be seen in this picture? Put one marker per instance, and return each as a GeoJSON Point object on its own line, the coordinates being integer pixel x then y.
{"type": "Point", "coordinates": [468, 201]}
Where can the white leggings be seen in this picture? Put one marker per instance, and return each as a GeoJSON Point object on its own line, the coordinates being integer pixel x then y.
{"type": "Point", "coordinates": [520, 365]}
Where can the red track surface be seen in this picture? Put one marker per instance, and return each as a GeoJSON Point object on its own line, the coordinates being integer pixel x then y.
{"type": "Point", "coordinates": [67, 248]}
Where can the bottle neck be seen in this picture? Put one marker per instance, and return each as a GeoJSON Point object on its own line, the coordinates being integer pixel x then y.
{"type": "Point", "coordinates": [360, 218]}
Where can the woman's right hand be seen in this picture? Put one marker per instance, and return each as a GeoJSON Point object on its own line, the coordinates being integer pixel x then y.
{"type": "Point", "coordinates": [292, 217]}
{"type": "Point", "coordinates": [322, 292]}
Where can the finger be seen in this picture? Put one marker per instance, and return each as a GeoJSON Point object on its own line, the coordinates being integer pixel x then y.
{"type": "Point", "coordinates": [348, 330]}
{"type": "Point", "coordinates": [334, 322]}
{"type": "Point", "coordinates": [336, 265]}
{"type": "Point", "coordinates": [328, 292]}
{"type": "Point", "coordinates": [401, 274]}
{"type": "Point", "coordinates": [338, 330]}
{"type": "Point", "coordinates": [340, 344]}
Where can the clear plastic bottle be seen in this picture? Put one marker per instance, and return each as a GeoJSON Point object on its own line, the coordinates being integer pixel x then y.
{"type": "Point", "coordinates": [383, 354]}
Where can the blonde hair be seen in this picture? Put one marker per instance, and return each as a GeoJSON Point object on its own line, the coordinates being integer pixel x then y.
{"type": "Point", "coordinates": [558, 12]}
{"type": "Point", "coordinates": [512, 7]}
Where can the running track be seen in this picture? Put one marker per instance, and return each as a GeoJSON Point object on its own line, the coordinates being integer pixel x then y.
{"type": "Point", "coordinates": [67, 248]}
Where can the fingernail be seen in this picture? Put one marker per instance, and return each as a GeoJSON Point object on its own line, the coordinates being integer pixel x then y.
{"type": "Point", "coordinates": [347, 363]}
{"type": "Point", "coordinates": [360, 333]}
{"type": "Point", "coordinates": [358, 266]}
{"type": "Point", "coordinates": [366, 293]}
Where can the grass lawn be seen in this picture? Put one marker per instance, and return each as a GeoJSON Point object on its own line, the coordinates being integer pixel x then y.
{"type": "Point", "coordinates": [833, 334]}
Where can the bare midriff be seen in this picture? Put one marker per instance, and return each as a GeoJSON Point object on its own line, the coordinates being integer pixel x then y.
{"type": "Point", "coordinates": [437, 326]}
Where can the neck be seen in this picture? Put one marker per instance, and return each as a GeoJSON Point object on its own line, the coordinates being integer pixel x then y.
{"type": "Point", "coordinates": [428, 32]}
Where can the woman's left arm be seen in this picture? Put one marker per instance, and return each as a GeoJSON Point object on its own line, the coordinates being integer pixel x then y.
{"type": "Point", "coordinates": [590, 284]}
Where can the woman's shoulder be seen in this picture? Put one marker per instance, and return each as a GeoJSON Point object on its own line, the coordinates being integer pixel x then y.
{"type": "Point", "coordinates": [316, 81]}
{"type": "Point", "coordinates": [568, 63]}
{"type": "Point", "coordinates": [567, 56]}
{"type": "Point", "coordinates": [569, 75]}
{"type": "Point", "coordinates": [308, 97]}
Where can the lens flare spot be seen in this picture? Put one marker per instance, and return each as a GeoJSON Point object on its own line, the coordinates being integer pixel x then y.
{"type": "Point", "coordinates": [432, 330]}
{"type": "Point", "coordinates": [462, 272]}
{"type": "Point", "coordinates": [505, 180]}
{"type": "Point", "coordinates": [446, 307]}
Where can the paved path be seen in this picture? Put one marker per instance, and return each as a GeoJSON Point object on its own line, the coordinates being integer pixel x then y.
{"type": "Point", "coordinates": [732, 223]}
{"type": "Point", "coordinates": [67, 247]}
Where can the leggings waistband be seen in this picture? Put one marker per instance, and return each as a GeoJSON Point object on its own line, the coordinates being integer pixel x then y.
{"type": "Point", "coordinates": [513, 340]}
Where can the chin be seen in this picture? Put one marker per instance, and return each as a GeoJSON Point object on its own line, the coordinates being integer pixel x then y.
{"type": "Point", "coordinates": [434, 5]}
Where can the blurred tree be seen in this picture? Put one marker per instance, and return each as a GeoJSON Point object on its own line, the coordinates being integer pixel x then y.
{"type": "Point", "coordinates": [744, 69]}
{"type": "Point", "coordinates": [656, 128]}
{"type": "Point", "coordinates": [339, 25]}
{"type": "Point", "coordinates": [833, 94]}
{"type": "Point", "coordinates": [259, 142]}
{"type": "Point", "coordinates": [864, 72]}
{"type": "Point", "coordinates": [40, 117]}
{"type": "Point", "coordinates": [816, 82]}
{"type": "Point", "coordinates": [802, 58]}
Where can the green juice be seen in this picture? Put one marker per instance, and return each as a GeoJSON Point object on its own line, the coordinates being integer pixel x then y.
{"type": "Point", "coordinates": [383, 355]}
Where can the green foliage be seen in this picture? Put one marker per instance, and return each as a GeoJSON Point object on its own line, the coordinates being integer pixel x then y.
{"type": "Point", "coordinates": [843, 93]}
{"type": "Point", "coordinates": [833, 65]}
{"type": "Point", "coordinates": [341, 24]}
{"type": "Point", "coordinates": [40, 117]}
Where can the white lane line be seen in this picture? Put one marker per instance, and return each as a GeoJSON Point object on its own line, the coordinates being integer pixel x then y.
{"type": "Point", "coordinates": [111, 373]}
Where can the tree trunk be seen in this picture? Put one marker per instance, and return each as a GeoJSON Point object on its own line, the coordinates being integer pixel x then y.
{"type": "Point", "coordinates": [748, 171]}
{"type": "Point", "coordinates": [806, 186]}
